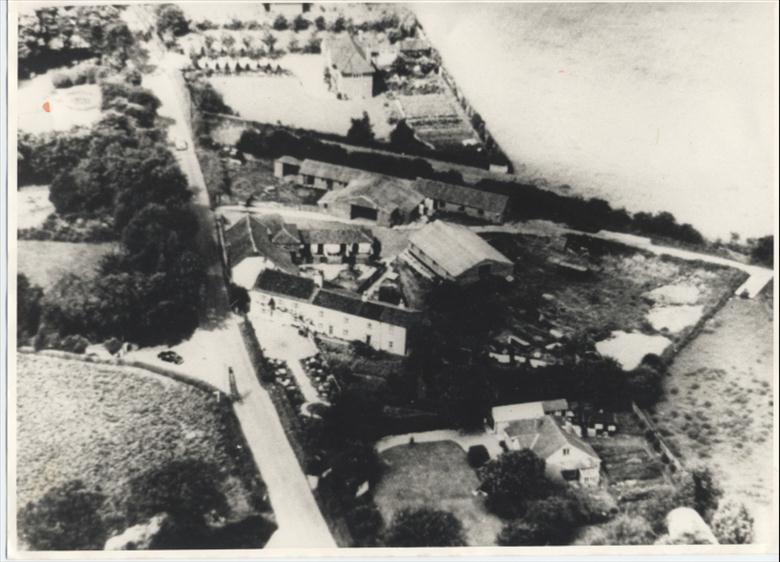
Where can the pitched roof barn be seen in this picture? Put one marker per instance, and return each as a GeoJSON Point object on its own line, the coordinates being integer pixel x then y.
{"type": "Point", "coordinates": [462, 195]}
{"type": "Point", "coordinates": [455, 248]}
{"type": "Point", "coordinates": [328, 171]}
{"type": "Point", "coordinates": [249, 237]}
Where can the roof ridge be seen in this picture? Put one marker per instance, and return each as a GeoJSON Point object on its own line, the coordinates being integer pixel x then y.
{"type": "Point", "coordinates": [251, 234]}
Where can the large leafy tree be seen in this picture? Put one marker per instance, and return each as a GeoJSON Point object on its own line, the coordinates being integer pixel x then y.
{"type": "Point", "coordinates": [361, 131]}
{"type": "Point", "coordinates": [67, 517]}
{"type": "Point", "coordinates": [424, 527]}
{"type": "Point", "coordinates": [511, 480]}
{"type": "Point", "coordinates": [28, 308]}
{"type": "Point", "coordinates": [698, 489]}
{"type": "Point", "coordinates": [171, 19]}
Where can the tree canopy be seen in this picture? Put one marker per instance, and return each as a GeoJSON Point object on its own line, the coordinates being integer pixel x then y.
{"type": "Point", "coordinates": [28, 308]}
{"type": "Point", "coordinates": [511, 480]}
{"type": "Point", "coordinates": [424, 527]}
{"type": "Point", "coordinates": [361, 131]}
{"type": "Point", "coordinates": [66, 517]}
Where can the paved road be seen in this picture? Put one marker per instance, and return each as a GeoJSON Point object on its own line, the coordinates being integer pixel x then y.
{"type": "Point", "coordinates": [301, 524]}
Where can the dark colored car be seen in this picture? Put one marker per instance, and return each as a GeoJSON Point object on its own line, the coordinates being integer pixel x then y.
{"type": "Point", "coordinates": [170, 357]}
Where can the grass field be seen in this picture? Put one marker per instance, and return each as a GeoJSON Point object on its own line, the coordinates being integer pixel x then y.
{"type": "Point", "coordinates": [718, 406]}
{"type": "Point", "coordinates": [288, 100]}
{"type": "Point", "coordinates": [105, 425]}
{"type": "Point", "coordinates": [44, 262]}
{"type": "Point", "coordinates": [436, 475]}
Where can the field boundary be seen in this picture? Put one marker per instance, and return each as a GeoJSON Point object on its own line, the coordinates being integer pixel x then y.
{"type": "Point", "coordinates": [133, 364]}
{"type": "Point", "coordinates": [645, 420]}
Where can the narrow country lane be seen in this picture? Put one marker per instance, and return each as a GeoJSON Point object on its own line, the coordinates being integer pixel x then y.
{"type": "Point", "coordinates": [300, 522]}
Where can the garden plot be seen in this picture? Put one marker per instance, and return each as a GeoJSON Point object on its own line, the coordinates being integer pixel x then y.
{"type": "Point", "coordinates": [718, 406]}
{"type": "Point", "coordinates": [437, 120]}
{"type": "Point", "coordinates": [634, 473]}
{"type": "Point", "coordinates": [106, 425]}
{"type": "Point", "coordinates": [45, 262]}
{"type": "Point", "coordinates": [436, 475]}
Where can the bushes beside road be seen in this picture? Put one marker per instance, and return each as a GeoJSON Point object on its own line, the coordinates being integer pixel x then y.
{"type": "Point", "coordinates": [122, 172]}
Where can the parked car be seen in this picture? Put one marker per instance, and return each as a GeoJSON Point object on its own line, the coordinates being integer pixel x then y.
{"type": "Point", "coordinates": [180, 144]}
{"type": "Point", "coordinates": [170, 357]}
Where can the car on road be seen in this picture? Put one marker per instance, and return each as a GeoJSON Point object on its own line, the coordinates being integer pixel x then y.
{"type": "Point", "coordinates": [180, 144]}
{"type": "Point", "coordinates": [170, 356]}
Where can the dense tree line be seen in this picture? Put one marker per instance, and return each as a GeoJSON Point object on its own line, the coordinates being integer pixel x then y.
{"type": "Point", "coordinates": [56, 36]}
{"type": "Point", "coordinates": [186, 493]}
{"type": "Point", "coordinates": [149, 290]}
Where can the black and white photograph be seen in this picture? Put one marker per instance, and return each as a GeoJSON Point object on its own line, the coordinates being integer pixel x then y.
{"type": "Point", "coordinates": [294, 277]}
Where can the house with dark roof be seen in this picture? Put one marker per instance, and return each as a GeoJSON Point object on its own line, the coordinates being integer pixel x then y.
{"type": "Point", "coordinates": [454, 253]}
{"type": "Point", "coordinates": [350, 69]}
{"type": "Point", "coordinates": [249, 248]}
{"type": "Point", "coordinates": [341, 243]}
{"type": "Point", "coordinates": [567, 456]}
{"type": "Point", "coordinates": [459, 199]}
{"type": "Point", "coordinates": [386, 200]}
{"type": "Point", "coordinates": [336, 314]}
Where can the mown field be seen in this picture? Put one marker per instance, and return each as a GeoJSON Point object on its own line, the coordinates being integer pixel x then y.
{"type": "Point", "coordinates": [718, 406]}
{"type": "Point", "coordinates": [106, 425]}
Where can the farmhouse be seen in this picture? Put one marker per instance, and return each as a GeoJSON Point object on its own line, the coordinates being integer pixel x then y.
{"type": "Point", "coordinates": [455, 253]}
{"type": "Point", "coordinates": [352, 75]}
{"type": "Point", "coordinates": [335, 314]}
{"type": "Point", "coordinates": [250, 249]}
{"type": "Point", "coordinates": [450, 198]}
{"type": "Point", "coordinates": [567, 457]}
{"type": "Point", "coordinates": [328, 244]}
{"type": "Point", "coordinates": [323, 175]}
{"type": "Point", "coordinates": [383, 199]}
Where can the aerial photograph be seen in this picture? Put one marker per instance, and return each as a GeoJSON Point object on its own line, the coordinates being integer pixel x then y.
{"type": "Point", "coordinates": [380, 275]}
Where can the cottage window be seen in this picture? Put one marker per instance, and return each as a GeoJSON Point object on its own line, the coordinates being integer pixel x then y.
{"type": "Point", "coordinates": [566, 451]}
{"type": "Point", "coordinates": [390, 345]}
{"type": "Point", "coordinates": [322, 313]}
{"type": "Point", "coordinates": [346, 320]}
{"type": "Point", "coordinates": [346, 332]}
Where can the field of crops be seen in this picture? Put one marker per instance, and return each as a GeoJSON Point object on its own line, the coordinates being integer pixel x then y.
{"type": "Point", "coordinates": [105, 425]}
